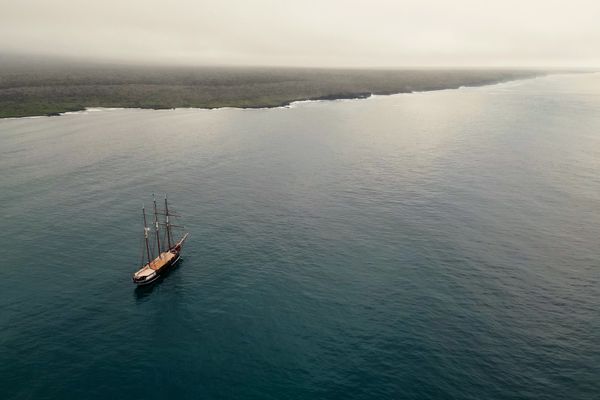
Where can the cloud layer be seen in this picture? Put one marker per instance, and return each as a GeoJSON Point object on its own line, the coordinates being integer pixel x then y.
{"type": "Point", "coordinates": [380, 33]}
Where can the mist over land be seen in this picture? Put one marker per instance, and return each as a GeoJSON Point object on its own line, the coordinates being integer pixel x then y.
{"type": "Point", "coordinates": [324, 33]}
{"type": "Point", "coordinates": [156, 54]}
{"type": "Point", "coordinates": [31, 86]}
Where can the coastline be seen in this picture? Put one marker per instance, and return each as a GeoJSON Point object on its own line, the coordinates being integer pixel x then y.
{"type": "Point", "coordinates": [288, 100]}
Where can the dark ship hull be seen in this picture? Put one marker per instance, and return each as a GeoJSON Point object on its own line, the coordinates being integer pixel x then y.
{"type": "Point", "coordinates": [163, 270]}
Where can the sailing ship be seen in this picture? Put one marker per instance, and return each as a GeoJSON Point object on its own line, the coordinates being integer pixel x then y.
{"type": "Point", "coordinates": [169, 253]}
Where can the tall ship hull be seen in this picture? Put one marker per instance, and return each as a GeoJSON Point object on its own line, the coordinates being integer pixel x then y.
{"type": "Point", "coordinates": [168, 255]}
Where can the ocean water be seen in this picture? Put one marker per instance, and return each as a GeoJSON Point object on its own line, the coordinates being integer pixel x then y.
{"type": "Point", "coordinates": [439, 245]}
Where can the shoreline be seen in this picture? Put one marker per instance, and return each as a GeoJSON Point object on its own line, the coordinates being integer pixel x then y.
{"type": "Point", "coordinates": [288, 103]}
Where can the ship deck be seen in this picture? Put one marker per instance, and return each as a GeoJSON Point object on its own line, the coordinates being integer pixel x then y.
{"type": "Point", "coordinates": [165, 258]}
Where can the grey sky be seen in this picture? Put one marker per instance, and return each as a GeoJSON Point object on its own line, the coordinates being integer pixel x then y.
{"type": "Point", "coordinates": [309, 33]}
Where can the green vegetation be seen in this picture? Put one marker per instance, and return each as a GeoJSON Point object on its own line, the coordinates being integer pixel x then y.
{"type": "Point", "coordinates": [27, 89]}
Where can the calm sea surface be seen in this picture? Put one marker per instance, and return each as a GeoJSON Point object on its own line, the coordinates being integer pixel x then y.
{"type": "Point", "coordinates": [441, 245]}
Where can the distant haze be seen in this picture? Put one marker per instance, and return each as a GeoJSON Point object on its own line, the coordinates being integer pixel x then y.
{"type": "Point", "coordinates": [331, 33]}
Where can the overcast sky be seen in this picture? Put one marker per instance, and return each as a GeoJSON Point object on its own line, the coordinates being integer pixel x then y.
{"type": "Point", "coordinates": [380, 33]}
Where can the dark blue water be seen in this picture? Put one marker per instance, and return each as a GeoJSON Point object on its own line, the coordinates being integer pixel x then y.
{"type": "Point", "coordinates": [432, 245]}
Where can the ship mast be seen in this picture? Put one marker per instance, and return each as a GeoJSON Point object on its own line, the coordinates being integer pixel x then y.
{"type": "Point", "coordinates": [146, 229]}
{"type": "Point", "coordinates": [156, 225]}
{"type": "Point", "coordinates": [167, 223]}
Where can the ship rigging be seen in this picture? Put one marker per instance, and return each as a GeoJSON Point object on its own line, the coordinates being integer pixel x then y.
{"type": "Point", "coordinates": [169, 253]}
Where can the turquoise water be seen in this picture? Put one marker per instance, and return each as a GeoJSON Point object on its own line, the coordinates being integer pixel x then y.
{"type": "Point", "coordinates": [429, 245]}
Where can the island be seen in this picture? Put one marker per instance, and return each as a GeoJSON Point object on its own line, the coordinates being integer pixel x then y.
{"type": "Point", "coordinates": [50, 88]}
